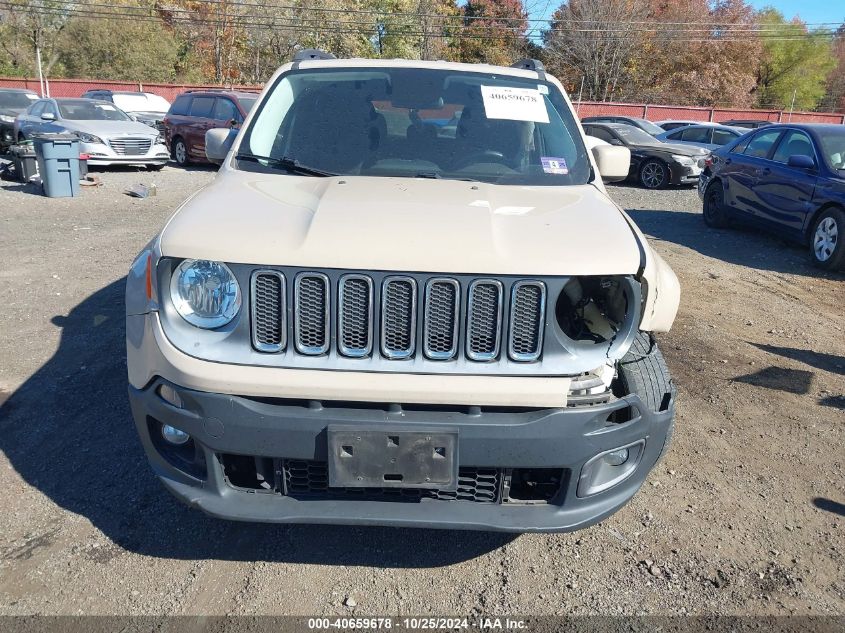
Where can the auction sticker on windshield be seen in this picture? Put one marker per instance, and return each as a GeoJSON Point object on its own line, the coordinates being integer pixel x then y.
{"type": "Point", "coordinates": [514, 104]}
{"type": "Point", "coordinates": [554, 165]}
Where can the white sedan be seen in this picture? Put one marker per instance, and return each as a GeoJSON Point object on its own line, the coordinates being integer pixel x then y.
{"type": "Point", "coordinates": [107, 135]}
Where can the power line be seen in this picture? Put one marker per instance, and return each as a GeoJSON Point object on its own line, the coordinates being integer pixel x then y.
{"type": "Point", "coordinates": [370, 29]}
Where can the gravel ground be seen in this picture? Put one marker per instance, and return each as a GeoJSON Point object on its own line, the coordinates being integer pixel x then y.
{"type": "Point", "coordinates": [745, 514]}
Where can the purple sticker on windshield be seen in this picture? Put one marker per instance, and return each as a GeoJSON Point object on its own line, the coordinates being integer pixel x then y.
{"type": "Point", "coordinates": [554, 165]}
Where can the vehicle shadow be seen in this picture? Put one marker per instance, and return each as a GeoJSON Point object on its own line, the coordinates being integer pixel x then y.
{"type": "Point", "coordinates": [737, 245]}
{"type": "Point", "coordinates": [68, 432]}
{"type": "Point", "coordinates": [830, 506]}
{"type": "Point", "coordinates": [820, 360]}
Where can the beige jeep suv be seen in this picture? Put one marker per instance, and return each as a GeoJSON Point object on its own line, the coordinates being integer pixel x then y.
{"type": "Point", "coordinates": [405, 299]}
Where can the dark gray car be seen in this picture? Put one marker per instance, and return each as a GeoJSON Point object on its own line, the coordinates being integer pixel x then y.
{"type": "Point", "coordinates": [13, 101]}
{"type": "Point", "coordinates": [653, 164]}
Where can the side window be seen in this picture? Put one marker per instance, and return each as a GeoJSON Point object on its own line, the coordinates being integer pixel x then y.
{"type": "Point", "coordinates": [181, 106]}
{"type": "Point", "coordinates": [49, 107]}
{"type": "Point", "coordinates": [794, 142]}
{"type": "Point", "coordinates": [225, 110]}
{"type": "Point", "coordinates": [696, 135]}
{"type": "Point", "coordinates": [604, 135]}
{"type": "Point", "coordinates": [202, 107]}
{"type": "Point", "coordinates": [37, 109]}
{"type": "Point", "coordinates": [761, 143]}
{"type": "Point", "coordinates": [675, 136]}
{"type": "Point", "coordinates": [723, 137]}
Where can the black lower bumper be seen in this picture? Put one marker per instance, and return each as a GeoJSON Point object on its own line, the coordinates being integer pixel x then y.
{"type": "Point", "coordinates": [504, 441]}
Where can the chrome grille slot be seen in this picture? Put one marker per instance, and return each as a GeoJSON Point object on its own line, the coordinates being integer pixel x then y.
{"type": "Point", "coordinates": [355, 316]}
{"type": "Point", "coordinates": [440, 332]}
{"type": "Point", "coordinates": [398, 317]}
{"type": "Point", "coordinates": [527, 317]}
{"type": "Point", "coordinates": [129, 146]}
{"type": "Point", "coordinates": [484, 320]}
{"type": "Point", "coordinates": [311, 313]}
{"type": "Point", "coordinates": [269, 332]}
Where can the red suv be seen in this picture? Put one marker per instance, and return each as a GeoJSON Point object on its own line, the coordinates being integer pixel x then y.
{"type": "Point", "coordinates": [196, 111]}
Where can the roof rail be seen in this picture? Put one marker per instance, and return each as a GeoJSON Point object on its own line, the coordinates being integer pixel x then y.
{"type": "Point", "coordinates": [529, 64]}
{"type": "Point", "coordinates": [307, 54]}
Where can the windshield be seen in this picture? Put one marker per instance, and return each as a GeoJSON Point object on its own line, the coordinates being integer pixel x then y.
{"type": "Point", "coordinates": [833, 147]}
{"type": "Point", "coordinates": [634, 135]}
{"type": "Point", "coordinates": [419, 123]}
{"type": "Point", "coordinates": [650, 127]}
{"type": "Point", "coordinates": [86, 110]}
{"type": "Point", "coordinates": [247, 103]}
{"type": "Point", "coordinates": [141, 102]}
{"type": "Point", "coordinates": [16, 99]}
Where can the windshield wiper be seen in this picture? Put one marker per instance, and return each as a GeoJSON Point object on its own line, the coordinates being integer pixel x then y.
{"type": "Point", "coordinates": [288, 164]}
{"type": "Point", "coordinates": [436, 175]}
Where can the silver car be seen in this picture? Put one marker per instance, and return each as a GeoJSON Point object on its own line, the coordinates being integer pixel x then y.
{"type": "Point", "coordinates": [107, 134]}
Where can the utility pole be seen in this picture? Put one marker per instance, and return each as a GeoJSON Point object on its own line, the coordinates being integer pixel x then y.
{"type": "Point", "coordinates": [40, 72]}
{"type": "Point", "coordinates": [792, 105]}
{"type": "Point", "coordinates": [580, 92]}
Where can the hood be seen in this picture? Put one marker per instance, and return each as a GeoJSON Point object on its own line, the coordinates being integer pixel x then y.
{"type": "Point", "coordinates": [403, 224]}
{"type": "Point", "coordinates": [679, 148]}
{"type": "Point", "coordinates": [12, 111]}
{"type": "Point", "coordinates": [109, 128]}
{"type": "Point", "coordinates": [147, 114]}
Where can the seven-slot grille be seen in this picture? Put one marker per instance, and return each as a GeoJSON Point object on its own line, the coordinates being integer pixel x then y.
{"type": "Point", "coordinates": [382, 318]}
{"type": "Point", "coordinates": [129, 146]}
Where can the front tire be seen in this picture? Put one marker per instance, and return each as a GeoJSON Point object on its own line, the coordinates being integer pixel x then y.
{"type": "Point", "coordinates": [654, 174]}
{"type": "Point", "coordinates": [643, 372]}
{"type": "Point", "coordinates": [713, 210]}
{"type": "Point", "coordinates": [827, 240]}
{"type": "Point", "coordinates": [180, 152]}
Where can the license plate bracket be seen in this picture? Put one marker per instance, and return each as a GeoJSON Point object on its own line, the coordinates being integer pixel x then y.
{"type": "Point", "coordinates": [375, 457]}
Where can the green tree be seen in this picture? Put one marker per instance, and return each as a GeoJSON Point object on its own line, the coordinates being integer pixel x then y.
{"type": "Point", "coordinates": [32, 27]}
{"type": "Point", "coordinates": [795, 61]}
{"type": "Point", "coordinates": [111, 48]}
{"type": "Point", "coordinates": [493, 32]}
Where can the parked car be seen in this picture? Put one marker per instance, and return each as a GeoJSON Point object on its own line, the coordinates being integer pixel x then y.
{"type": "Point", "coordinates": [708, 135]}
{"type": "Point", "coordinates": [642, 124]}
{"type": "Point", "coordinates": [751, 124]}
{"type": "Point", "coordinates": [144, 107]}
{"type": "Point", "coordinates": [106, 133]}
{"type": "Point", "coordinates": [195, 112]}
{"type": "Point", "coordinates": [654, 164]}
{"type": "Point", "coordinates": [671, 124]}
{"type": "Point", "coordinates": [366, 322]}
{"type": "Point", "coordinates": [788, 179]}
{"type": "Point", "coordinates": [13, 101]}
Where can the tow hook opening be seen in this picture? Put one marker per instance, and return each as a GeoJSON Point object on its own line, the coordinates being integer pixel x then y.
{"type": "Point", "coordinates": [532, 485]}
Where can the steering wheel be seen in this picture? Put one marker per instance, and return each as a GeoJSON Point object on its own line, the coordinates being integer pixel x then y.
{"type": "Point", "coordinates": [478, 157]}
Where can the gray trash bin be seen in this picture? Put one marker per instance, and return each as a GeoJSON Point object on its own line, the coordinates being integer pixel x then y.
{"type": "Point", "coordinates": [24, 160]}
{"type": "Point", "coordinates": [58, 164]}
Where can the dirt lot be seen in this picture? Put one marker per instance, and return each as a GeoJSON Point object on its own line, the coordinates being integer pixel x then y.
{"type": "Point", "coordinates": [745, 515]}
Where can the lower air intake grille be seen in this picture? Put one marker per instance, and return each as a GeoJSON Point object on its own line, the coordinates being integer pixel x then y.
{"type": "Point", "coordinates": [311, 313]}
{"type": "Point", "coordinates": [310, 479]}
{"type": "Point", "coordinates": [484, 320]}
{"type": "Point", "coordinates": [398, 317]}
{"type": "Point", "coordinates": [528, 307]}
{"type": "Point", "coordinates": [268, 311]}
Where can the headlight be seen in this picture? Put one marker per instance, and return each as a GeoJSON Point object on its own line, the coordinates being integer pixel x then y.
{"type": "Point", "coordinates": [683, 160]}
{"type": "Point", "coordinates": [6, 118]}
{"type": "Point", "coordinates": [89, 138]}
{"type": "Point", "coordinates": [206, 294]}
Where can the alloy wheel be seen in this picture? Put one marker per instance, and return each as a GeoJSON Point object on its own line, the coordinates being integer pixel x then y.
{"type": "Point", "coordinates": [653, 175]}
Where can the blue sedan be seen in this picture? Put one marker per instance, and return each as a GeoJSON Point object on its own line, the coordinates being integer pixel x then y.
{"type": "Point", "coordinates": [788, 179]}
{"type": "Point", "coordinates": [708, 135]}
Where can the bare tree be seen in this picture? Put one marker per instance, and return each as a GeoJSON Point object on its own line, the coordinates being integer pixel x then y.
{"type": "Point", "coordinates": [595, 40]}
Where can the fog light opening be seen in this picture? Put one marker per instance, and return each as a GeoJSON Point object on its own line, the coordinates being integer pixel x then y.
{"type": "Point", "coordinates": [170, 396]}
{"type": "Point", "coordinates": [617, 457]}
{"type": "Point", "coordinates": [174, 436]}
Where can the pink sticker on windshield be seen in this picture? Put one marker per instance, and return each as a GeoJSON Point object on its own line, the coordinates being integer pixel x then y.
{"type": "Point", "coordinates": [554, 165]}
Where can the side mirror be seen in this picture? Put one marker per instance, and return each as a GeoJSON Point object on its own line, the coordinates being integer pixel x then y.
{"type": "Point", "coordinates": [48, 116]}
{"type": "Point", "coordinates": [613, 162]}
{"type": "Point", "coordinates": [132, 116]}
{"type": "Point", "coordinates": [218, 142]}
{"type": "Point", "coordinates": [233, 123]}
{"type": "Point", "coordinates": [801, 161]}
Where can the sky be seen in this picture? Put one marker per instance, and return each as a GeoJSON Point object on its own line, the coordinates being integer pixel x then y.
{"type": "Point", "coordinates": [809, 10]}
